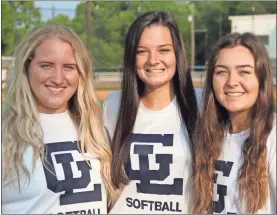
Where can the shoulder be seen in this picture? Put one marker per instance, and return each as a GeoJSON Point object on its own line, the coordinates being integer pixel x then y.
{"type": "Point", "coordinates": [113, 97]}
{"type": "Point", "coordinates": [271, 141]}
{"type": "Point", "coordinates": [111, 107]}
{"type": "Point", "coordinates": [199, 93]}
{"type": "Point", "coordinates": [112, 103]}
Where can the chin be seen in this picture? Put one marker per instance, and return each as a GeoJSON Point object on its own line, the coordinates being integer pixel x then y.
{"type": "Point", "coordinates": [56, 107]}
{"type": "Point", "coordinates": [236, 110]}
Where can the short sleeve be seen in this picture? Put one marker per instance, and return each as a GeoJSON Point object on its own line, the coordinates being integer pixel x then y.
{"type": "Point", "coordinates": [199, 98]}
{"type": "Point", "coordinates": [272, 160]}
{"type": "Point", "coordinates": [110, 113]}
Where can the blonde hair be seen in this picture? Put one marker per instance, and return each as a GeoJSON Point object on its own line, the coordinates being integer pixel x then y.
{"type": "Point", "coordinates": [21, 127]}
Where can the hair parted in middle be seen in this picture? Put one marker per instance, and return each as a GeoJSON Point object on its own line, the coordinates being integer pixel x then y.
{"type": "Point", "coordinates": [209, 133]}
{"type": "Point", "coordinates": [133, 88]}
{"type": "Point", "coordinates": [22, 128]}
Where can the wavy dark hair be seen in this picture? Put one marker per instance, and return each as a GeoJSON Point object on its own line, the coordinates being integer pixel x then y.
{"type": "Point", "coordinates": [253, 175]}
{"type": "Point", "coordinates": [133, 88]}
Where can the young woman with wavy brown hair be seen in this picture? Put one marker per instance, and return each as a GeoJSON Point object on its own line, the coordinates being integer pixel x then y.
{"type": "Point", "coordinates": [235, 137]}
{"type": "Point", "coordinates": [55, 155]}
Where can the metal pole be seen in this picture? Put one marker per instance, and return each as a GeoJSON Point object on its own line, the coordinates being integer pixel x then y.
{"type": "Point", "coordinates": [53, 11]}
{"type": "Point", "coordinates": [89, 27]}
{"type": "Point", "coordinates": [220, 26]}
{"type": "Point", "coordinates": [253, 11]}
{"type": "Point", "coordinates": [206, 44]}
{"type": "Point", "coordinates": [192, 38]}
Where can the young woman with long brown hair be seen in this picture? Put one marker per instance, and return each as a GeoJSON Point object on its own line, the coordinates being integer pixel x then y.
{"type": "Point", "coordinates": [235, 137]}
{"type": "Point", "coordinates": [150, 122]}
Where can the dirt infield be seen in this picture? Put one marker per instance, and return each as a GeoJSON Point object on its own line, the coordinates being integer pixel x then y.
{"type": "Point", "coordinates": [102, 94]}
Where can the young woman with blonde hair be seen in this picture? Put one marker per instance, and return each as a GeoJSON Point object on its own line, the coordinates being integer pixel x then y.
{"type": "Point", "coordinates": [54, 152]}
{"type": "Point", "coordinates": [235, 137]}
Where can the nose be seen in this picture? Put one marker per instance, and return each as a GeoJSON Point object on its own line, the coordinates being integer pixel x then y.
{"type": "Point", "coordinates": [153, 58]}
{"type": "Point", "coordinates": [58, 76]}
{"type": "Point", "coordinates": [233, 79]}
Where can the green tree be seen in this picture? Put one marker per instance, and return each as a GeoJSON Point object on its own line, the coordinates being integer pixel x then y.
{"type": "Point", "coordinates": [18, 17]}
{"type": "Point", "coordinates": [111, 20]}
{"type": "Point", "coordinates": [61, 19]}
{"type": "Point", "coordinates": [213, 16]}
{"type": "Point", "coordinates": [110, 23]}
{"type": "Point", "coordinates": [255, 7]}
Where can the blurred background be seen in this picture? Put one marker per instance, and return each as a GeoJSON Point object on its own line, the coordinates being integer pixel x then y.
{"type": "Point", "coordinates": [103, 25]}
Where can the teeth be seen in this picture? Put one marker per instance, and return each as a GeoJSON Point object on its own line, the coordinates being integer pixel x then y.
{"type": "Point", "coordinates": [155, 70]}
{"type": "Point", "coordinates": [234, 94]}
{"type": "Point", "coordinates": [55, 89]}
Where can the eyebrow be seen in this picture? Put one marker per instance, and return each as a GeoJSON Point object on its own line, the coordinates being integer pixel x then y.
{"type": "Point", "coordinates": [160, 46]}
{"type": "Point", "coordinates": [165, 45]}
{"type": "Point", "coordinates": [49, 62]}
{"type": "Point", "coordinates": [237, 67]}
{"type": "Point", "coordinates": [70, 63]}
{"type": "Point", "coordinates": [45, 61]}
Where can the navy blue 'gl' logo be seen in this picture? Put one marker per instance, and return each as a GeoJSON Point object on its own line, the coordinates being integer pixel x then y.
{"type": "Point", "coordinates": [145, 174]}
{"type": "Point", "coordinates": [225, 168]}
{"type": "Point", "coordinates": [62, 159]}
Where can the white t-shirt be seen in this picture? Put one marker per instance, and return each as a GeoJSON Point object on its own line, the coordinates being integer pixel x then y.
{"type": "Point", "coordinates": [226, 193]}
{"type": "Point", "coordinates": [158, 163]}
{"type": "Point", "coordinates": [74, 188]}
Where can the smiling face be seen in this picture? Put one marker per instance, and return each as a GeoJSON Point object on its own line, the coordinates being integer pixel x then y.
{"type": "Point", "coordinates": [235, 83]}
{"type": "Point", "coordinates": [155, 57]}
{"type": "Point", "coordinates": [53, 75]}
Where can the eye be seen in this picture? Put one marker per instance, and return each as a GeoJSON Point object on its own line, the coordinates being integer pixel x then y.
{"type": "Point", "coordinates": [164, 50]}
{"type": "Point", "coordinates": [244, 72]}
{"type": "Point", "coordinates": [45, 66]}
{"type": "Point", "coordinates": [220, 72]}
{"type": "Point", "coordinates": [69, 67]}
{"type": "Point", "coordinates": [141, 52]}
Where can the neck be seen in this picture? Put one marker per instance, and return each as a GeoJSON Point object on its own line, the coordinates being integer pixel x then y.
{"type": "Point", "coordinates": [239, 122]}
{"type": "Point", "coordinates": [157, 99]}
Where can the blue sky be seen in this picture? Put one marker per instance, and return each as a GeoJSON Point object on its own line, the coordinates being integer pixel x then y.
{"type": "Point", "coordinates": [57, 4]}
{"type": "Point", "coordinates": [64, 7]}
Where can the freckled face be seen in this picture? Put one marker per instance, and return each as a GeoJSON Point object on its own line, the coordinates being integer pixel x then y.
{"type": "Point", "coordinates": [235, 83]}
{"type": "Point", "coordinates": [155, 58]}
{"type": "Point", "coordinates": [53, 75]}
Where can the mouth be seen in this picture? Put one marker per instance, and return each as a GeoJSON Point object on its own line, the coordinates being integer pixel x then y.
{"type": "Point", "coordinates": [55, 90]}
{"type": "Point", "coordinates": [155, 70]}
{"type": "Point", "coordinates": [237, 94]}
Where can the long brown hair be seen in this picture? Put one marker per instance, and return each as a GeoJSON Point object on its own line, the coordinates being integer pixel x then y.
{"type": "Point", "coordinates": [133, 87]}
{"type": "Point", "coordinates": [253, 175]}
